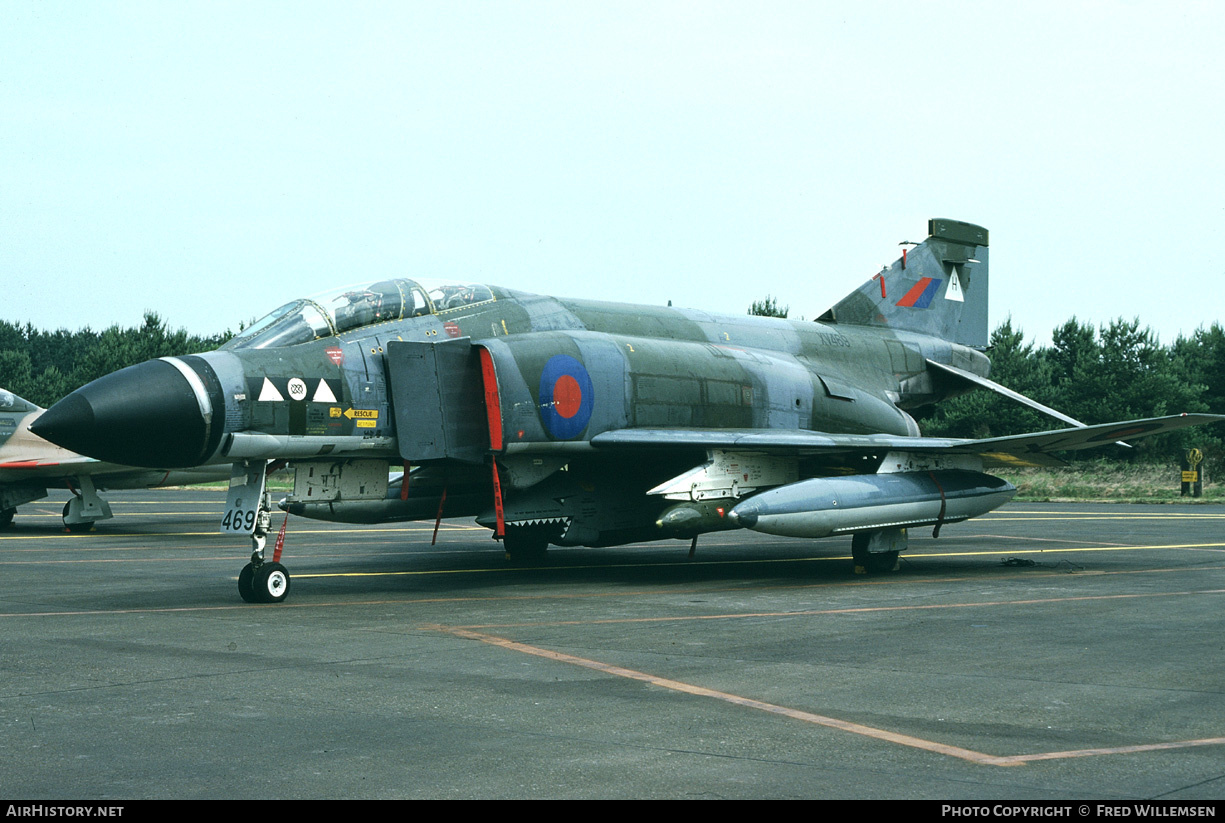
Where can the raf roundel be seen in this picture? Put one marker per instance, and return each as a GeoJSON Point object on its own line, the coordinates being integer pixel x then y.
{"type": "Point", "coordinates": [566, 397]}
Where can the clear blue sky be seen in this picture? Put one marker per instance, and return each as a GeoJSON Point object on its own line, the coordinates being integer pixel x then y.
{"type": "Point", "coordinates": [211, 160]}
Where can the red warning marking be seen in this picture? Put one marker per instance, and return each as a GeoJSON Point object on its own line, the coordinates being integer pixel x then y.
{"type": "Point", "coordinates": [567, 396]}
{"type": "Point", "coordinates": [1123, 434]}
{"type": "Point", "coordinates": [335, 354]}
{"type": "Point", "coordinates": [451, 328]}
{"type": "Point", "coordinates": [493, 408]}
{"type": "Point", "coordinates": [280, 540]}
{"type": "Point", "coordinates": [498, 510]}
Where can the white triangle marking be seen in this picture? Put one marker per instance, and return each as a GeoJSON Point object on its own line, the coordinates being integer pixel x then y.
{"type": "Point", "coordinates": [323, 394]}
{"type": "Point", "coordinates": [269, 392]}
{"type": "Point", "coordinates": [954, 292]}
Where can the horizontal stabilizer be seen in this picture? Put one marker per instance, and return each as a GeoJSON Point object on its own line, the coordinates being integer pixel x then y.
{"type": "Point", "coordinates": [984, 383]}
{"type": "Point", "coordinates": [979, 381]}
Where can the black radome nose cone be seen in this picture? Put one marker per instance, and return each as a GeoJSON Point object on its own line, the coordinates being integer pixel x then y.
{"type": "Point", "coordinates": [145, 415]}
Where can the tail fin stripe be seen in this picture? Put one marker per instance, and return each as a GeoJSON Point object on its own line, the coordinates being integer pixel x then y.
{"type": "Point", "coordinates": [920, 295]}
{"type": "Point", "coordinates": [951, 300]}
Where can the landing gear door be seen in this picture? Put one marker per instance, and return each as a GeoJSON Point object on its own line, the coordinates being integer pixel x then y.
{"type": "Point", "coordinates": [243, 501]}
{"type": "Point", "coordinates": [438, 400]}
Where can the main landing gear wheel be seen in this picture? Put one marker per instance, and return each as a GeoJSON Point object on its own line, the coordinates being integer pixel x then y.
{"type": "Point", "coordinates": [526, 545]}
{"type": "Point", "coordinates": [76, 528]}
{"type": "Point", "coordinates": [266, 583]}
{"type": "Point", "coordinates": [871, 562]}
{"type": "Point", "coordinates": [6, 517]}
{"type": "Point", "coordinates": [880, 562]}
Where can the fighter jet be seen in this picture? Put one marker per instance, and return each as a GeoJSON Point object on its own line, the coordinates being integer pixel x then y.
{"type": "Point", "coordinates": [580, 423]}
{"type": "Point", "coordinates": [29, 466]}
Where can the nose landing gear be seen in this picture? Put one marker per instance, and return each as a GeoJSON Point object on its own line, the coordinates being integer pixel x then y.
{"type": "Point", "coordinates": [263, 583]}
{"type": "Point", "coordinates": [260, 581]}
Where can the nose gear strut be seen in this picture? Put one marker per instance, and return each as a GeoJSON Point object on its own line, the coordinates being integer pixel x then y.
{"type": "Point", "coordinates": [260, 581]}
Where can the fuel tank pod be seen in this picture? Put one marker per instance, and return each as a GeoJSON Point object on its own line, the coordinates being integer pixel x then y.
{"type": "Point", "coordinates": [825, 506]}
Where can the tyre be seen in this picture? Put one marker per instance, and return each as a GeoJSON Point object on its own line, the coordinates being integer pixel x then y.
{"type": "Point", "coordinates": [526, 545]}
{"type": "Point", "coordinates": [271, 583]}
{"type": "Point", "coordinates": [76, 528]}
{"type": "Point", "coordinates": [246, 584]}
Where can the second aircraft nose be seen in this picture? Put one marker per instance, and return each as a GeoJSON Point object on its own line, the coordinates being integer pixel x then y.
{"type": "Point", "coordinates": [160, 414]}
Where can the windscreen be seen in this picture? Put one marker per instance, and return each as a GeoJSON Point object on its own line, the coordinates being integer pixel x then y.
{"type": "Point", "coordinates": [350, 307]}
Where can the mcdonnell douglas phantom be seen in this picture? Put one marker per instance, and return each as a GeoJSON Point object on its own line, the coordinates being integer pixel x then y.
{"type": "Point", "coordinates": [582, 423]}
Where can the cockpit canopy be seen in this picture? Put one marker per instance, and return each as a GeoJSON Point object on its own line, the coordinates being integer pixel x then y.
{"type": "Point", "coordinates": [340, 310]}
{"type": "Point", "coordinates": [10, 402]}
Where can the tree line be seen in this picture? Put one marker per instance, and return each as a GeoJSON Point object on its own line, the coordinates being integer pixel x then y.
{"type": "Point", "coordinates": [43, 366]}
{"type": "Point", "coordinates": [1118, 371]}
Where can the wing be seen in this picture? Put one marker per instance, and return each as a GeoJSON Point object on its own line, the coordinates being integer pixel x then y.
{"type": "Point", "coordinates": [53, 467]}
{"type": "Point", "coordinates": [1015, 450]}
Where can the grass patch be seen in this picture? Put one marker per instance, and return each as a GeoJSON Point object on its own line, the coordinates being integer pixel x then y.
{"type": "Point", "coordinates": [1107, 481]}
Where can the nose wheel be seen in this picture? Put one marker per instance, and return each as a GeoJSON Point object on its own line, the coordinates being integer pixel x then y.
{"type": "Point", "coordinates": [259, 581]}
{"type": "Point", "coordinates": [265, 583]}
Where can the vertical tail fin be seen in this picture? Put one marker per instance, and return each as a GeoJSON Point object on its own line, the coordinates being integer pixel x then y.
{"type": "Point", "coordinates": [939, 287]}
